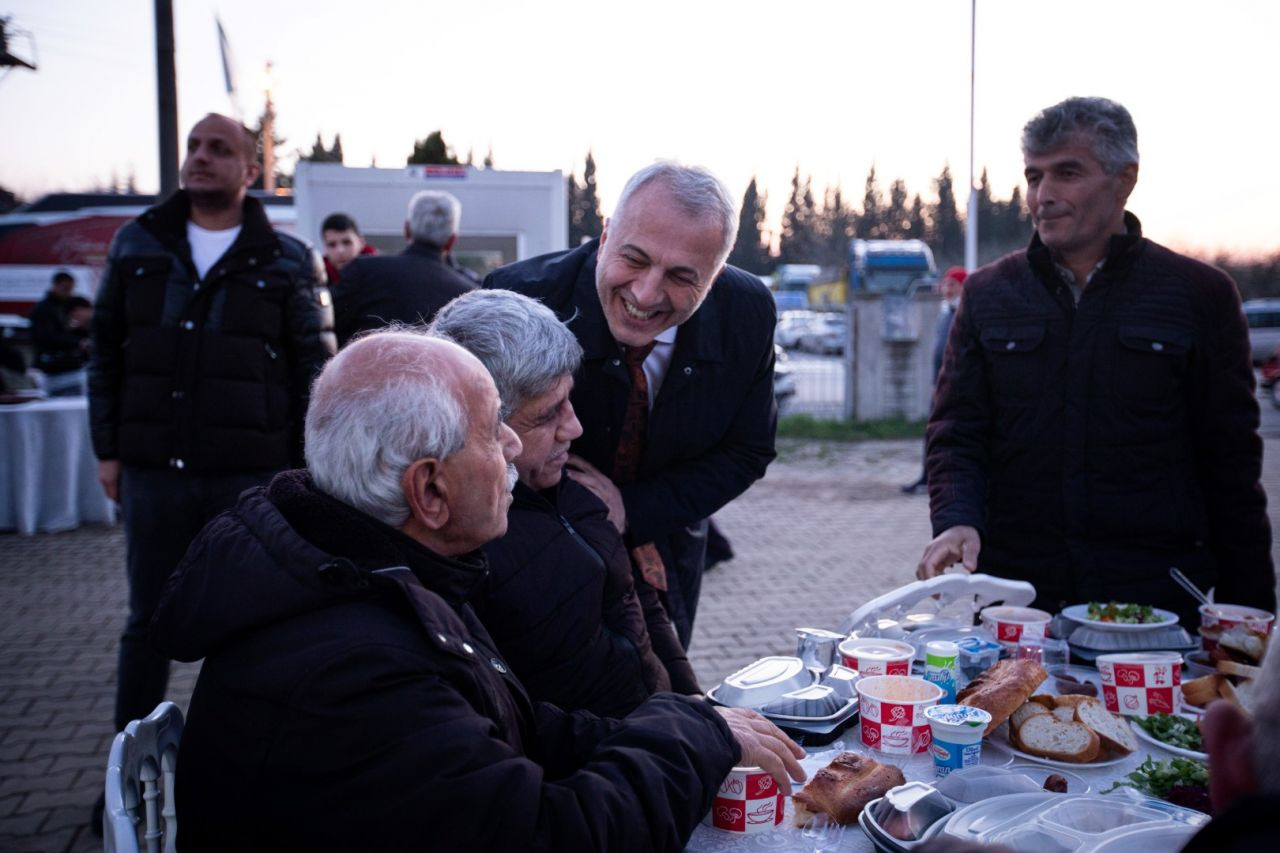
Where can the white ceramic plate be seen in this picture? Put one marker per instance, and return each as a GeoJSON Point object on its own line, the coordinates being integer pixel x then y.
{"type": "Point", "coordinates": [1000, 739]}
{"type": "Point", "coordinates": [1080, 613]}
{"type": "Point", "coordinates": [1176, 750]}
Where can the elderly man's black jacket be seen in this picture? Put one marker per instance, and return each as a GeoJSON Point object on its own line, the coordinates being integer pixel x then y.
{"type": "Point", "coordinates": [205, 375]}
{"type": "Point", "coordinates": [711, 429]}
{"type": "Point", "coordinates": [563, 606]}
{"type": "Point", "coordinates": [350, 700]}
{"type": "Point", "coordinates": [1094, 446]}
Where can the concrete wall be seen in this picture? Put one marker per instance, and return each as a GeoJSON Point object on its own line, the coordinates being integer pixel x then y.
{"type": "Point", "coordinates": [890, 360]}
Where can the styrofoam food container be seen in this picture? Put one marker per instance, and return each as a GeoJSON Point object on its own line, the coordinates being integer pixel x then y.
{"type": "Point", "coordinates": [1141, 683]}
{"type": "Point", "coordinates": [763, 681]}
{"type": "Point", "coordinates": [1012, 624]}
{"type": "Point", "coordinates": [876, 656]}
{"type": "Point", "coordinates": [749, 801]}
{"type": "Point", "coordinates": [891, 708]}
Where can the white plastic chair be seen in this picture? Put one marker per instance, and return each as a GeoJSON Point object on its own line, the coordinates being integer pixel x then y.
{"type": "Point", "coordinates": [140, 811]}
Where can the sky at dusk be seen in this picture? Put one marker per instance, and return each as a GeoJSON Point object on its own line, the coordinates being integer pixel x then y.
{"type": "Point", "coordinates": [745, 88]}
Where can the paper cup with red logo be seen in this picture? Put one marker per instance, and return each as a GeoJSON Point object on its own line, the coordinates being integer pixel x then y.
{"type": "Point", "coordinates": [1139, 684]}
{"type": "Point", "coordinates": [1216, 618]}
{"type": "Point", "coordinates": [891, 708]}
{"type": "Point", "coordinates": [874, 656]}
{"type": "Point", "coordinates": [748, 801]}
{"type": "Point", "coordinates": [1012, 625]}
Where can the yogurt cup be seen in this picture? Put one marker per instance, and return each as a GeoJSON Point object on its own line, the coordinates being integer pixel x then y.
{"type": "Point", "coordinates": [749, 801]}
{"type": "Point", "coordinates": [1140, 684]}
{"type": "Point", "coordinates": [1014, 624]}
{"type": "Point", "coordinates": [1216, 618]}
{"type": "Point", "coordinates": [891, 710]}
{"type": "Point", "coordinates": [957, 736]}
{"type": "Point", "coordinates": [875, 656]}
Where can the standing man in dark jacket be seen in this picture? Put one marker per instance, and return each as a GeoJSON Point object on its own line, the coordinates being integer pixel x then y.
{"type": "Point", "coordinates": [1096, 421]}
{"type": "Point", "coordinates": [208, 330]}
{"type": "Point", "coordinates": [350, 699]}
{"type": "Point", "coordinates": [409, 287]}
{"type": "Point", "coordinates": [561, 600]}
{"type": "Point", "coordinates": [657, 312]}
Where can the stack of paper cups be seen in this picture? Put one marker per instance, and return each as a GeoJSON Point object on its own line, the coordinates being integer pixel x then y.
{"type": "Point", "coordinates": [940, 667]}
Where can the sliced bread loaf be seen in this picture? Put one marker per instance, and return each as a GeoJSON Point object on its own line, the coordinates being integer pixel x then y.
{"type": "Point", "coordinates": [1025, 710]}
{"type": "Point", "coordinates": [1047, 736]}
{"type": "Point", "coordinates": [1113, 731]}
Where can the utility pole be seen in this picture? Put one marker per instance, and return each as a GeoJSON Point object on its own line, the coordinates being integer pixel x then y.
{"type": "Point", "coordinates": [971, 219]}
{"type": "Point", "coordinates": [9, 61]}
{"type": "Point", "coordinates": [166, 98]}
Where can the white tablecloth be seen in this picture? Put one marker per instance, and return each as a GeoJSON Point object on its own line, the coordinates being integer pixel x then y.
{"type": "Point", "coordinates": [48, 473]}
{"type": "Point", "coordinates": [787, 837]}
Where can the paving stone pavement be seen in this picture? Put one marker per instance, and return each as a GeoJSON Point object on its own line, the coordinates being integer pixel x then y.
{"type": "Point", "coordinates": [826, 530]}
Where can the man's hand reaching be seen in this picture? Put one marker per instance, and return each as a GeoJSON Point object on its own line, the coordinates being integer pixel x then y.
{"type": "Point", "coordinates": [765, 746]}
{"type": "Point", "coordinates": [959, 544]}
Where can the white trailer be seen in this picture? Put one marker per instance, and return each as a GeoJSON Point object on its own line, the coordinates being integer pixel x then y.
{"type": "Point", "coordinates": [506, 216]}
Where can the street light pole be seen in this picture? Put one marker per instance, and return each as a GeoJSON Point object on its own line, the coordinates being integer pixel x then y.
{"type": "Point", "coordinates": [971, 219]}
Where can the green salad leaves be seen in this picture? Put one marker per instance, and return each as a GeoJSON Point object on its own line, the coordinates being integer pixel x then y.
{"type": "Point", "coordinates": [1124, 614]}
{"type": "Point", "coordinates": [1173, 730]}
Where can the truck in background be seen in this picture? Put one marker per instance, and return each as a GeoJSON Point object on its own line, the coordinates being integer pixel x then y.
{"type": "Point", "coordinates": [886, 267]}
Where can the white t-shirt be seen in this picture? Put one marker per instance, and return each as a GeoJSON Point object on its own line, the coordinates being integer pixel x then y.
{"type": "Point", "coordinates": [207, 246]}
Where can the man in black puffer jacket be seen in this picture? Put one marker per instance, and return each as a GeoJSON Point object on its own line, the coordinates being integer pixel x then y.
{"type": "Point", "coordinates": [1095, 420]}
{"type": "Point", "coordinates": [561, 600]}
{"type": "Point", "coordinates": [208, 330]}
{"type": "Point", "coordinates": [351, 700]}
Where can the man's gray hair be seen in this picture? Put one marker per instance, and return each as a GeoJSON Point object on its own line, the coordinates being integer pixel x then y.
{"type": "Point", "coordinates": [525, 348]}
{"type": "Point", "coordinates": [433, 217]}
{"type": "Point", "coordinates": [1108, 126]}
{"type": "Point", "coordinates": [378, 406]}
{"type": "Point", "coordinates": [697, 192]}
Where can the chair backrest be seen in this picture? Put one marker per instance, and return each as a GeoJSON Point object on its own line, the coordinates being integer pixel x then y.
{"type": "Point", "coordinates": [140, 811]}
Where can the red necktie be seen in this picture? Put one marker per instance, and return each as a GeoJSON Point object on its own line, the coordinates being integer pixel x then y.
{"type": "Point", "coordinates": [630, 453]}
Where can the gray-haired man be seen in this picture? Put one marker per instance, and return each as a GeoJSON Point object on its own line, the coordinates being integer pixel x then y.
{"type": "Point", "coordinates": [675, 392]}
{"type": "Point", "coordinates": [1095, 421]}
{"type": "Point", "coordinates": [409, 287]}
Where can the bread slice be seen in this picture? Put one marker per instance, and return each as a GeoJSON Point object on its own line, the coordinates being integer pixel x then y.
{"type": "Point", "coordinates": [1114, 733]}
{"type": "Point", "coordinates": [1044, 700]}
{"type": "Point", "coordinates": [1002, 689]}
{"type": "Point", "coordinates": [1201, 691]}
{"type": "Point", "coordinates": [1245, 642]}
{"type": "Point", "coordinates": [1242, 670]}
{"type": "Point", "coordinates": [1026, 710]}
{"type": "Point", "coordinates": [1045, 735]}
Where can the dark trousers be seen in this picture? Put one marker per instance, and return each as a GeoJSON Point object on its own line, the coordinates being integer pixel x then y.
{"type": "Point", "coordinates": [163, 511]}
{"type": "Point", "coordinates": [684, 578]}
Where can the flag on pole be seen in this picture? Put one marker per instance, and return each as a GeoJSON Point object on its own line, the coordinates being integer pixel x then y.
{"type": "Point", "coordinates": [228, 65]}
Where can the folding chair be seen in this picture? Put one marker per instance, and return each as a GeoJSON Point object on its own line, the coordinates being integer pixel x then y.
{"type": "Point", "coordinates": [140, 812]}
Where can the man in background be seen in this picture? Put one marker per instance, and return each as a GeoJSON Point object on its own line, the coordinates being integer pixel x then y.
{"type": "Point", "coordinates": [409, 287]}
{"type": "Point", "coordinates": [949, 287]}
{"type": "Point", "coordinates": [61, 340]}
{"type": "Point", "coordinates": [207, 332]}
{"type": "Point", "coordinates": [343, 242]}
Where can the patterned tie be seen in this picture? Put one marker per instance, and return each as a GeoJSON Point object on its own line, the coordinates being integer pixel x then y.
{"type": "Point", "coordinates": [630, 453]}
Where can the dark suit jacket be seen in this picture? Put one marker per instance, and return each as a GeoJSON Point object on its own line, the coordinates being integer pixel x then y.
{"type": "Point", "coordinates": [711, 430]}
{"type": "Point", "coordinates": [409, 288]}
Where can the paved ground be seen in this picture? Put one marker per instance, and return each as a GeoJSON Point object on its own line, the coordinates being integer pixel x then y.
{"type": "Point", "coordinates": [826, 530]}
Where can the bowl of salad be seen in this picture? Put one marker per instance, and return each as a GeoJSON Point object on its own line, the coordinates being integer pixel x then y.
{"type": "Point", "coordinates": [1120, 616]}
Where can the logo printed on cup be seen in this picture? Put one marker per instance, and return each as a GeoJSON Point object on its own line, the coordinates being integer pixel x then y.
{"type": "Point", "coordinates": [897, 715]}
{"type": "Point", "coordinates": [762, 786]}
{"type": "Point", "coordinates": [1160, 699]}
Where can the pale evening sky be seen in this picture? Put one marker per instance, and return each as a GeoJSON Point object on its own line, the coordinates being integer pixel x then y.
{"type": "Point", "coordinates": [742, 87]}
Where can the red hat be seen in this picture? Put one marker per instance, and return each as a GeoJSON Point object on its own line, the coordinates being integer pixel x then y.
{"type": "Point", "coordinates": [956, 273]}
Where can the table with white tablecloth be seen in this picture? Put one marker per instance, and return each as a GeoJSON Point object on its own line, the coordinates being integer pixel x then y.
{"type": "Point", "coordinates": [48, 473]}
{"type": "Point", "coordinates": [787, 837]}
